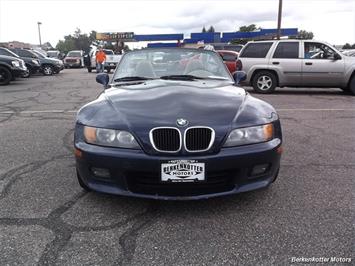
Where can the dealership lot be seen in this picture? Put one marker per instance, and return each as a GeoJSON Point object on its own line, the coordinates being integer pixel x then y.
{"type": "Point", "coordinates": [45, 217]}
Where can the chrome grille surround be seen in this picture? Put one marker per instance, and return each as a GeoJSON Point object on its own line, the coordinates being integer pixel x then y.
{"type": "Point", "coordinates": [151, 138]}
{"type": "Point", "coordinates": [213, 134]}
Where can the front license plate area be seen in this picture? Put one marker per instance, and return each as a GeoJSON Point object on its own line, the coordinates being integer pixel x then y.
{"type": "Point", "coordinates": [180, 171]}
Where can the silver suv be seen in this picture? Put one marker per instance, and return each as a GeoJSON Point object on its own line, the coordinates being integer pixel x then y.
{"type": "Point", "coordinates": [296, 63]}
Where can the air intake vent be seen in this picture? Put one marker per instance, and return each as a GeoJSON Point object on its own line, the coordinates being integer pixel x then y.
{"type": "Point", "coordinates": [166, 139]}
{"type": "Point", "coordinates": [198, 139]}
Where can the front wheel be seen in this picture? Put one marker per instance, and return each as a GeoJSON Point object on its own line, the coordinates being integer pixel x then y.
{"type": "Point", "coordinates": [47, 70]}
{"type": "Point", "coordinates": [351, 86]}
{"type": "Point", "coordinates": [264, 82]}
{"type": "Point", "coordinates": [5, 76]}
{"type": "Point", "coordinates": [26, 74]}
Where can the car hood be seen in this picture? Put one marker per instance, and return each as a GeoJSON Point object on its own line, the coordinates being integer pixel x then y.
{"type": "Point", "coordinates": [161, 102]}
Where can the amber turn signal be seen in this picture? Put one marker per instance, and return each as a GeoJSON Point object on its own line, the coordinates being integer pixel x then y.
{"type": "Point", "coordinates": [268, 131]}
{"type": "Point", "coordinates": [90, 134]}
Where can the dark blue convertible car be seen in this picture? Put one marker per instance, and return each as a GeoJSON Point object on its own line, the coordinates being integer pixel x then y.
{"type": "Point", "coordinates": [173, 124]}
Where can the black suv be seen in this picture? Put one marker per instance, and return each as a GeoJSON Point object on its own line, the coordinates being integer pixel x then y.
{"type": "Point", "coordinates": [48, 66]}
{"type": "Point", "coordinates": [10, 68]}
{"type": "Point", "coordinates": [33, 65]}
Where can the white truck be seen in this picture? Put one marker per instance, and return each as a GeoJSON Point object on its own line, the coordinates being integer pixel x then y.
{"type": "Point", "coordinates": [111, 60]}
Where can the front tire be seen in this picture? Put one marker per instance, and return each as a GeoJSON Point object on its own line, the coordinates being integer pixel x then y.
{"type": "Point", "coordinates": [47, 70]}
{"type": "Point", "coordinates": [351, 86]}
{"type": "Point", "coordinates": [5, 76]}
{"type": "Point", "coordinates": [264, 82]}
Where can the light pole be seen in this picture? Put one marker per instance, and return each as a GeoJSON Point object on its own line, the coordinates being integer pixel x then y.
{"type": "Point", "coordinates": [39, 33]}
{"type": "Point", "coordinates": [279, 20]}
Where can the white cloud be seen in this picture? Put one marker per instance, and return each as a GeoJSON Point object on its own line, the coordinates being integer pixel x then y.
{"type": "Point", "coordinates": [330, 20]}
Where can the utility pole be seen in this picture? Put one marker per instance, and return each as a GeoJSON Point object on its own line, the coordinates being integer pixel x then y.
{"type": "Point", "coordinates": [39, 33]}
{"type": "Point", "coordinates": [279, 20]}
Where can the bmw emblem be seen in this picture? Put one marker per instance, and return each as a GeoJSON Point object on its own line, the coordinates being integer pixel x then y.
{"type": "Point", "coordinates": [181, 122]}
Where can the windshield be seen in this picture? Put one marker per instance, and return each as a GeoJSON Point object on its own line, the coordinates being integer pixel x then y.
{"type": "Point", "coordinates": [157, 63]}
{"type": "Point", "coordinates": [52, 53]}
{"type": "Point", "coordinates": [108, 52]}
{"type": "Point", "coordinates": [74, 54]}
{"type": "Point", "coordinates": [4, 51]}
{"type": "Point", "coordinates": [38, 54]}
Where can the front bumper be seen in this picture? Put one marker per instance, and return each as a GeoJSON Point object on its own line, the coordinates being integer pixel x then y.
{"type": "Point", "coordinates": [72, 64]}
{"type": "Point", "coordinates": [134, 173]}
{"type": "Point", "coordinates": [110, 65]}
{"type": "Point", "coordinates": [18, 72]}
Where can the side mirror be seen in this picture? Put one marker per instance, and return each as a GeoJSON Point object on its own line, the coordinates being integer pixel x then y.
{"type": "Point", "coordinates": [337, 56]}
{"type": "Point", "coordinates": [239, 76]}
{"type": "Point", "coordinates": [103, 79]}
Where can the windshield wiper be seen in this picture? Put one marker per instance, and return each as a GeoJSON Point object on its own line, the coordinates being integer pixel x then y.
{"type": "Point", "coordinates": [181, 77]}
{"type": "Point", "coordinates": [132, 78]}
{"type": "Point", "coordinates": [191, 77]}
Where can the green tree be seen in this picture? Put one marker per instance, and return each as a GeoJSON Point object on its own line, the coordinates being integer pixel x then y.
{"type": "Point", "coordinates": [353, 46]}
{"type": "Point", "coordinates": [239, 41]}
{"type": "Point", "coordinates": [77, 41]}
{"type": "Point", "coordinates": [211, 29]}
{"type": "Point", "coordinates": [347, 46]}
{"type": "Point", "coordinates": [305, 35]}
{"type": "Point", "coordinates": [247, 28]}
{"type": "Point", "coordinates": [204, 29]}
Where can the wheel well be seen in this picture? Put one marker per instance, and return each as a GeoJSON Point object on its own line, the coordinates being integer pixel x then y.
{"type": "Point", "coordinates": [266, 70]}
{"type": "Point", "coordinates": [351, 77]}
{"type": "Point", "coordinates": [5, 66]}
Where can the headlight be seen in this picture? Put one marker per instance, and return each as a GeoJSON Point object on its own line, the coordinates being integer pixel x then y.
{"type": "Point", "coordinates": [15, 63]}
{"type": "Point", "coordinates": [110, 137]}
{"type": "Point", "coordinates": [250, 135]}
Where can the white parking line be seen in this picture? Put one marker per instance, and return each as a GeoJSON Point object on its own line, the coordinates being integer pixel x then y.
{"type": "Point", "coordinates": [39, 112]}
{"type": "Point", "coordinates": [316, 110]}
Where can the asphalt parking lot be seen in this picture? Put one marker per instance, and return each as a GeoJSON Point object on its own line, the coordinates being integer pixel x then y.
{"type": "Point", "coordinates": [47, 219]}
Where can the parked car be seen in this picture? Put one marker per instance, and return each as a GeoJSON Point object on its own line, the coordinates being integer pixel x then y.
{"type": "Point", "coordinates": [230, 59]}
{"type": "Point", "coordinates": [112, 60]}
{"type": "Point", "coordinates": [166, 132]}
{"type": "Point", "coordinates": [349, 52]}
{"type": "Point", "coordinates": [74, 59]}
{"type": "Point", "coordinates": [10, 68]}
{"type": "Point", "coordinates": [296, 63]}
{"type": "Point", "coordinates": [228, 47]}
{"type": "Point", "coordinates": [53, 54]}
{"type": "Point", "coordinates": [59, 66]}
{"type": "Point", "coordinates": [32, 65]}
{"type": "Point", "coordinates": [48, 66]}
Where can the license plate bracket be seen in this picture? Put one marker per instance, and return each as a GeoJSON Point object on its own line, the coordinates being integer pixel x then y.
{"type": "Point", "coordinates": [181, 171]}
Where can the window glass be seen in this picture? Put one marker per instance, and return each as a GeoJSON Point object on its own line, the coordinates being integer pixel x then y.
{"type": "Point", "coordinates": [287, 50]}
{"type": "Point", "coordinates": [256, 50]}
{"type": "Point", "coordinates": [108, 52]}
{"type": "Point", "coordinates": [154, 63]}
{"type": "Point", "coordinates": [74, 54]}
{"type": "Point", "coordinates": [229, 57]}
{"type": "Point", "coordinates": [313, 50]}
{"type": "Point", "coordinates": [24, 53]}
{"type": "Point", "coordinates": [4, 52]}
